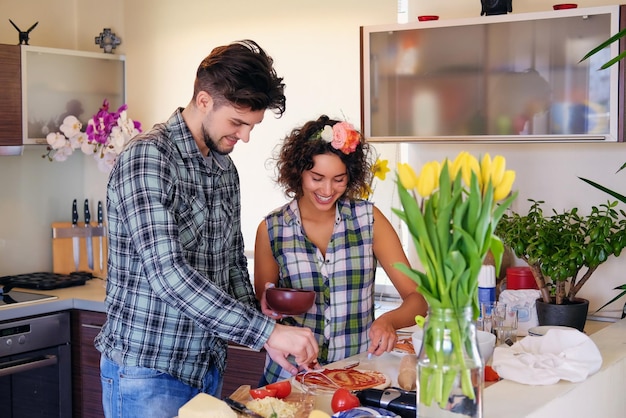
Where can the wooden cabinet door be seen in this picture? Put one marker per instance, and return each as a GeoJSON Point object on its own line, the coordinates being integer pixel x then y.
{"type": "Point", "coordinates": [244, 367]}
{"type": "Point", "coordinates": [10, 95]}
{"type": "Point", "coordinates": [87, 389]}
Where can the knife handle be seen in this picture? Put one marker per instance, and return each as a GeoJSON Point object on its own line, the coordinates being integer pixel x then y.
{"type": "Point", "coordinates": [74, 213]}
{"type": "Point", "coordinates": [87, 213]}
{"type": "Point", "coordinates": [99, 212]}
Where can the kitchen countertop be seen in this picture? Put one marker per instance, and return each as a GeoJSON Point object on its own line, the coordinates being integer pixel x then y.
{"type": "Point", "coordinates": [512, 400]}
{"type": "Point", "coordinates": [599, 395]}
{"type": "Point", "coordinates": [89, 296]}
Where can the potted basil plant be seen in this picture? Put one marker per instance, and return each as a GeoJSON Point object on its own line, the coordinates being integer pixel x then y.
{"type": "Point", "coordinates": [563, 250]}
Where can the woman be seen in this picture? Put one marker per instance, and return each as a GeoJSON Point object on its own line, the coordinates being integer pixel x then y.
{"type": "Point", "coordinates": [330, 240]}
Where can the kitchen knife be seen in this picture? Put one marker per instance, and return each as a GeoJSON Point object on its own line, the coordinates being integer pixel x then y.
{"type": "Point", "coordinates": [75, 241]}
{"type": "Point", "coordinates": [241, 408]}
{"type": "Point", "coordinates": [102, 232]}
{"type": "Point", "coordinates": [88, 238]}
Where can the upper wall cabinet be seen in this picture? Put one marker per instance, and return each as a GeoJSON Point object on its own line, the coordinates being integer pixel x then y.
{"type": "Point", "coordinates": [41, 86]}
{"type": "Point", "coordinates": [508, 78]}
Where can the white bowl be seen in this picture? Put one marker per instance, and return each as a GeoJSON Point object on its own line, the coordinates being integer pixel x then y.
{"type": "Point", "coordinates": [486, 343]}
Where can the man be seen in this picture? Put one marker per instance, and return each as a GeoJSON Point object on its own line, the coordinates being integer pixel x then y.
{"type": "Point", "coordinates": [178, 287]}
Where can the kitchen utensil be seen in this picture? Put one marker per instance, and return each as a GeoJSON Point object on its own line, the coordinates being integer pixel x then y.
{"type": "Point", "coordinates": [100, 237]}
{"type": "Point", "coordinates": [44, 280]}
{"type": "Point", "coordinates": [75, 242]}
{"type": "Point", "coordinates": [288, 301]}
{"type": "Point", "coordinates": [402, 402]}
{"type": "Point", "coordinates": [88, 237]}
{"type": "Point", "coordinates": [241, 408]}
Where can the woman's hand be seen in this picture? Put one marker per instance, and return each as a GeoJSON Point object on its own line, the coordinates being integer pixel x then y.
{"type": "Point", "coordinates": [383, 336]}
{"type": "Point", "coordinates": [266, 309]}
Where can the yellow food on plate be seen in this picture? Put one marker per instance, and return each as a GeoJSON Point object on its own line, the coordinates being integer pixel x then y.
{"type": "Point", "coordinates": [205, 406]}
{"type": "Point", "coordinates": [269, 405]}
{"type": "Point", "coordinates": [316, 413]}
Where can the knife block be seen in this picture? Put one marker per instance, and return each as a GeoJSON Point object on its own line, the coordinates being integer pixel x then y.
{"type": "Point", "coordinates": [63, 248]}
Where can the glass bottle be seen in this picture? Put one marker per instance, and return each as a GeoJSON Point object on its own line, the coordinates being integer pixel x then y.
{"type": "Point", "coordinates": [449, 367]}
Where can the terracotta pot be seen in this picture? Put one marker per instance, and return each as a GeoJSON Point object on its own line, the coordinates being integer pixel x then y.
{"type": "Point", "coordinates": [569, 314]}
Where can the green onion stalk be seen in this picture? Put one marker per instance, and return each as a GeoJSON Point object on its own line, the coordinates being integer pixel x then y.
{"type": "Point", "coordinates": [452, 227]}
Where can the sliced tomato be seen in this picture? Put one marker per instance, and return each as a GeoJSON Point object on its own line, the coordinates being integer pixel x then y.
{"type": "Point", "coordinates": [343, 400]}
{"type": "Point", "coordinates": [261, 393]}
{"type": "Point", "coordinates": [282, 388]}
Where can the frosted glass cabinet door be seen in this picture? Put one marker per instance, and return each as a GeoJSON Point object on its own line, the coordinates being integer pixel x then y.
{"type": "Point", "coordinates": [508, 78]}
{"type": "Point", "coordinates": [57, 83]}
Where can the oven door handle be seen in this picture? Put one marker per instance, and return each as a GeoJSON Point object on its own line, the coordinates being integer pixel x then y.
{"type": "Point", "coordinates": [26, 364]}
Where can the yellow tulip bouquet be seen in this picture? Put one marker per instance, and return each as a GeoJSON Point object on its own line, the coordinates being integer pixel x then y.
{"type": "Point", "coordinates": [452, 225]}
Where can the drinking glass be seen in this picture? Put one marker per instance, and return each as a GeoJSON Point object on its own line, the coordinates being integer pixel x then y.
{"type": "Point", "coordinates": [504, 320]}
{"type": "Point", "coordinates": [486, 316]}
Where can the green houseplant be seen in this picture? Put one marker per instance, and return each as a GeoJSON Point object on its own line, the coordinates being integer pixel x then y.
{"type": "Point", "coordinates": [622, 199]}
{"type": "Point", "coordinates": [564, 249]}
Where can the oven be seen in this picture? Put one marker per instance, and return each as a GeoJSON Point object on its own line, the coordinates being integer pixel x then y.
{"type": "Point", "coordinates": [35, 367]}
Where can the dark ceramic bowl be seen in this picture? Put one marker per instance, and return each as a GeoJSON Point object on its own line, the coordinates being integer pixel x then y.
{"type": "Point", "coordinates": [288, 301]}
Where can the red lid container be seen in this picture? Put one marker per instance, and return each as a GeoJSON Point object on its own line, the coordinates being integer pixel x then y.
{"type": "Point", "coordinates": [520, 278]}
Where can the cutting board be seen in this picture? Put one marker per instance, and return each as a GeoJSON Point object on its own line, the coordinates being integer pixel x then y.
{"type": "Point", "coordinates": [63, 248]}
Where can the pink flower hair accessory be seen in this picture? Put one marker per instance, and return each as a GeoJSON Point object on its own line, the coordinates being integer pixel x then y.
{"type": "Point", "coordinates": [341, 136]}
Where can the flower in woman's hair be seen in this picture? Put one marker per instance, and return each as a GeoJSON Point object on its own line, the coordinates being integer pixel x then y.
{"type": "Point", "coordinates": [342, 136]}
{"type": "Point", "coordinates": [327, 133]}
{"type": "Point", "coordinates": [345, 137]}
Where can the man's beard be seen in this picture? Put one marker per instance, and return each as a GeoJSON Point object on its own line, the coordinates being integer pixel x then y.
{"type": "Point", "coordinates": [213, 144]}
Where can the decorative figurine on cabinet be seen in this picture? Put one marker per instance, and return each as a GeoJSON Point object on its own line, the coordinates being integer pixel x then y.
{"type": "Point", "coordinates": [107, 40]}
{"type": "Point", "coordinates": [496, 7]}
{"type": "Point", "coordinates": [24, 35]}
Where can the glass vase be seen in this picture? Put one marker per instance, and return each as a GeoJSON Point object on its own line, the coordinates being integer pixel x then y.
{"type": "Point", "coordinates": [449, 367]}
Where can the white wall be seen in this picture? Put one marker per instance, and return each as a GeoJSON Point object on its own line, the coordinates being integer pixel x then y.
{"type": "Point", "coordinates": [34, 192]}
{"type": "Point", "coordinates": [315, 45]}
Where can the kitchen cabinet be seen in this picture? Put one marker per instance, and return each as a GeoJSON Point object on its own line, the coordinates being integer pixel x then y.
{"type": "Point", "coordinates": [86, 386]}
{"type": "Point", "coordinates": [244, 367]}
{"type": "Point", "coordinates": [41, 86]}
{"type": "Point", "coordinates": [10, 97]}
{"type": "Point", "coordinates": [506, 78]}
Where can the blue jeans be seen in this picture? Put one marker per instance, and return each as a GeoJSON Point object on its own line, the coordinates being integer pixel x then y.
{"type": "Point", "coordinates": [130, 392]}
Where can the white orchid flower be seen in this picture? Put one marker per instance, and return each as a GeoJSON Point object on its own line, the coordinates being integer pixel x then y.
{"type": "Point", "coordinates": [88, 147]}
{"type": "Point", "coordinates": [118, 139]}
{"type": "Point", "coordinates": [77, 140]}
{"type": "Point", "coordinates": [105, 162]}
{"type": "Point", "coordinates": [71, 126]}
{"type": "Point", "coordinates": [56, 140]}
{"type": "Point", "coordinates": [62, 153]}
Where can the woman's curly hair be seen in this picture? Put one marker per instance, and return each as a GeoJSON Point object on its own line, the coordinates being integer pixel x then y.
{"type": "Point", "coordinates": [303, 143]}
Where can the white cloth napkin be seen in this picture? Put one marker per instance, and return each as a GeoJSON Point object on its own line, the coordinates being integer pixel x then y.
{"type": "Point", "coordinates": [559, 354]}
